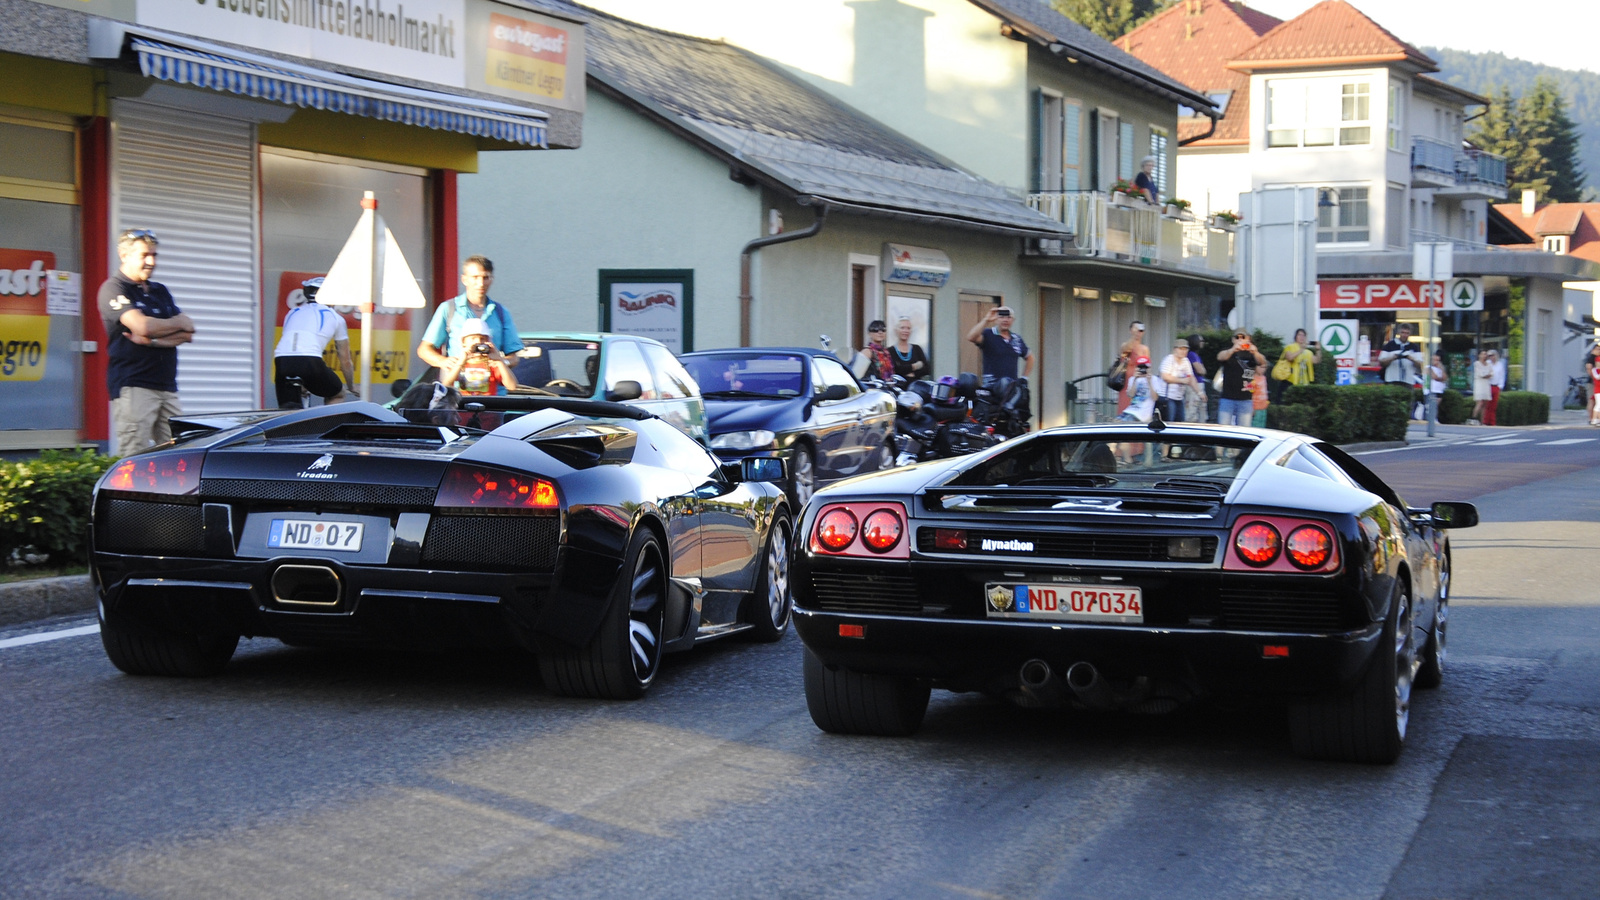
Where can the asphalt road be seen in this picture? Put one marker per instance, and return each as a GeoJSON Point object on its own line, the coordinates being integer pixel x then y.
{"type": "Point", "coordinates": [303, 773]}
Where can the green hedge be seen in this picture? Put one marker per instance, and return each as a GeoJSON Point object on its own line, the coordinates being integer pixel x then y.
{"type": "Point", "coordinates": [1346, 414]}
{"type": "Point", "coordinates": [44, 505]}
{"type": "Point", "coordinates": [1522, 408]}
{"type": "Point", "coordinates": [1455, 408]}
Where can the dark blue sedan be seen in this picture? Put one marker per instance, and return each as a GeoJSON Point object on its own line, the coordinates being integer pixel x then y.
{"type": "Point", "coordinates": [797, 404]}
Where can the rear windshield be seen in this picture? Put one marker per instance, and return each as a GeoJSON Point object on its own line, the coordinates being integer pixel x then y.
{"type": "Point", "coordinates": [564, 368]}
{"type": "Point", "coordinates": [1185, 464]}
{"type": "Point", "coordinates": [764, 374]}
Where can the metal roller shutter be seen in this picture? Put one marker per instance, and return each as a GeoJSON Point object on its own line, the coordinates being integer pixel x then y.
{"type": "Point", "coordinates": [191, 178]}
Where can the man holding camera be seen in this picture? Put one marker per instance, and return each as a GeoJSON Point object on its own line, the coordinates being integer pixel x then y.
{"type": "Point", "coordinates": [443, 337]}
{"type": "Point", "coordinates": [1000, 346]}
{"type": "Point", "coordinates": [1401, 360]}
{"type": "Point", "coordinates": [1240, 363]}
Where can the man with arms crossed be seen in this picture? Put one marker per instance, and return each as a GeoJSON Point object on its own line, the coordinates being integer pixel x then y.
{"type": "Point", "coordinates": [143, 330]}
{"type": "Point", "coordinates": [307, 329]}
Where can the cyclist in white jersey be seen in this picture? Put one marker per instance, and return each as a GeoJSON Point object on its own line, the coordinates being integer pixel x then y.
{"type": "Point", "coordinates": [307, 329]}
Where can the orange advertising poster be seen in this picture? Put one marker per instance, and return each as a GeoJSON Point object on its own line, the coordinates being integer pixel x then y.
{"type": "Point", "coordinates": [526, 56]}
{"type": "Point", "coordinates": [24, 321]}
{"type": "Point", "coordinates": [391, 331]}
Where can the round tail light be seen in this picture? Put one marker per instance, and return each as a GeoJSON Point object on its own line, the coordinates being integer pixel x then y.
{"type": "Point", "coordinates": [1308, 547]}
{"type": "Point", "coordinates": [836, 529]}
{"type": "Point", "coordinates": [882, 530]}
{"type": "Point", "coordinates": [1258, 544]}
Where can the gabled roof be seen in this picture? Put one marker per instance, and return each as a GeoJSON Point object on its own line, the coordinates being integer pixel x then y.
{"type": "Point", "coordinates": [1579, 221]}
{"type": "Point", "coordinates": [1039, 22]}
{"type": "Point", "coordinates": [780, 132]}
{"type": "Point", "coordinates": [1332, 33]}
{"type": "Point", "coordinates": [1192, 40]}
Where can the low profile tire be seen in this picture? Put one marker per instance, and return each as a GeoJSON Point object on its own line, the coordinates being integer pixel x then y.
{"type": "Point", "coordinates": [802, 475]}
{"type": "Point", "coordinates": [149, 652]}
{"type": "Point", "coordinates": [771, 605]}
{"type": "Point", "coordinates": [1367, 724]}
{"type": "Point", "coordinates": [622, 660]}
{"type": "Point", "coordinates": [1430, 673]}
{"type": "Point", "coordinates": [846, 702]}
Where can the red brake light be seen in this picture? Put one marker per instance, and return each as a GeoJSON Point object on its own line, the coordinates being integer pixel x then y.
{"type": "Point", "coordinates": [836, 529]}
{"type": "Point", "coordinates": [480, 487]}
{"type": "Point", "coordinates": [949, 539]}
{"type": "Point", "coordinates": [882, 531]}
{"type": "Point", "coordinates": [1258, 544]}
{"type": "Point", "coordinates": [1308, 547]}
{"type": "Point", "coordinates": [159, 473]}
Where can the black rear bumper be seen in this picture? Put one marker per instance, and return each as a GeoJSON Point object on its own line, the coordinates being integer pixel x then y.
{"type": "Point", "coordinates": [978, 654]}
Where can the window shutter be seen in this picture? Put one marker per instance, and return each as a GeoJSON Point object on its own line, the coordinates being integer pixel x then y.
{"type": "Point", "coordinates": [1125, 167]}
{"type": "Point", "coordinates": [1072, 144]}
{"type": "Point", "coordinates": [1038, 140]}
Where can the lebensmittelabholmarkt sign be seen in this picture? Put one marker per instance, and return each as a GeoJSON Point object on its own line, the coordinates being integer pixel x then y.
{"type": "Point", "coordinates": [418, 39]}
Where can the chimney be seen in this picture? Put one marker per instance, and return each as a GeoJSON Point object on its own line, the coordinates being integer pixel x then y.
{"type": "Point", "coordinates": [1530, 203]}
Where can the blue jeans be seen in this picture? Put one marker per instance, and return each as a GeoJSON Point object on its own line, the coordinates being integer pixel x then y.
{"type": "Point", "coordinates": [1174, 409]}
{"type": "Point", "coordinates": [1235, 412]}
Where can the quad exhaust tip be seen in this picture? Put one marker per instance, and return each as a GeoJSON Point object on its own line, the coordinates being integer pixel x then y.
{"type": "Point", "coordinates": [306, 586]}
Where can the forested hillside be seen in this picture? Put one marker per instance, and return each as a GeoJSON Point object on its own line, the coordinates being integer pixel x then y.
{"type": "Point", "coordinates": [1480, 72]}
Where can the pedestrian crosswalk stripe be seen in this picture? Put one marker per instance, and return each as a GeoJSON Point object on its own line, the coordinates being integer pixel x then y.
{"type": "Point", "coordinates": [1504, 441]}
{"type": "Point", "coordinates": [1567, 441]}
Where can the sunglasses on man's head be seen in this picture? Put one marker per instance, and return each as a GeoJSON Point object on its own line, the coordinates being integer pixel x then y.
{"type": "Point", "coordinates": [1002, 312]}
{"type": "Point", "coordinates": [138, 234]}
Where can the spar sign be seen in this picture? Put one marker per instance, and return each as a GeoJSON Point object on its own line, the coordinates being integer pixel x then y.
{"type": "Point", "coordinates": [1457, 294]}
{"type": "Point", "coordinates": [1338, 339]}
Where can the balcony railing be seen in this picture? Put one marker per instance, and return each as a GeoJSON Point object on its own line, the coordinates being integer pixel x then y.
{"type": "Point", "coordinates": [1455, 170]}
{"type": "Point", "coordinates": [1463, 244]}
{"type": "Point", "coordinates": [1134, 231]}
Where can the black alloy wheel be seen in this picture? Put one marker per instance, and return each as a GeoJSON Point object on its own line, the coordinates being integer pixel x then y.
{"type": "Point", "coordinates": [845, 702]}
{"type": "Point", "coordinates": [771, 605]}
{"type": "Point", "coordinates": [1430, 672]}
{"type": "Point", "coordinates": [146, 651]}
{"type": "Point", "coordinates": [624, 657]}
{"type": "Point", "coordinates": [1368, 723]}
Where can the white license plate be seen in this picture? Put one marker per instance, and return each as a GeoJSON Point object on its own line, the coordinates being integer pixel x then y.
{"type": "Point", "coordinates": [1066, 602]}
{"type": "Point", "coordinates": [315, 534]}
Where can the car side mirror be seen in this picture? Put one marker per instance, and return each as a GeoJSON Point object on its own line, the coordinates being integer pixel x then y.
{"type": "Point", "coordinates": [397, 388]}
{"type": "Point", "coordinates": [762, 468]}
{"type": "Point", "coordinates": [624, 391]}
{"type": "Point", "coordinates": [1454, 515]}
{"type": "Point", "coordinates": [834, 392]}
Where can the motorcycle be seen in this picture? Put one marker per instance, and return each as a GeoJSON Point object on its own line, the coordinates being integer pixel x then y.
{"type": "Point", "coordinates": [934, 420]}
{"type": "Point", "coordinates": [1004, 405]}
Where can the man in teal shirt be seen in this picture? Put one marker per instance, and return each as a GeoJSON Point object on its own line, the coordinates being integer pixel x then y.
{"type": "Point", "coordinates": [477, 274]}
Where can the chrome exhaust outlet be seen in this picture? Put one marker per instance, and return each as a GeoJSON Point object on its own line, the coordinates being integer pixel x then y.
{"type": "Point", "coordinates": [1040, 684]}
{"type": "Point", "coordinates": [1085, 681]}
{"type": "Point", "coordinates": [307, 586]}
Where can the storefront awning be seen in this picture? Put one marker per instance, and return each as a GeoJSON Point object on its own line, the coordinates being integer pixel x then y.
{"type": "Point", "coordinates": [223, 69]}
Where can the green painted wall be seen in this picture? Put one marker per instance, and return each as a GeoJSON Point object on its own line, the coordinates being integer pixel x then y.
{"type": "Point", "coordinates": [634, 197]}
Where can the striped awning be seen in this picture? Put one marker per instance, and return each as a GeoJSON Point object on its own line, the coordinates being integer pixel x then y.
{"type": "Point", "coordinates": [265, 79]}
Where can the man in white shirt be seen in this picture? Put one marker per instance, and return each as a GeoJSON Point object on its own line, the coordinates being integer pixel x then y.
{"type": "Point", "coordinates": [1401, 359]}
{"type": "Point", "coordinates": [307, 329]}
{"type": "Point", "coordinates": [1497, 383]}
{"type": "Point", "coordinates": [1176, 377]}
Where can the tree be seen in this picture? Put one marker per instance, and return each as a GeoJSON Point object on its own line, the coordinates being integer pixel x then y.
{"type": "Point", "coordinates": [1537, 138]}
{"type": "Point", "coordinates": [1110, 19]}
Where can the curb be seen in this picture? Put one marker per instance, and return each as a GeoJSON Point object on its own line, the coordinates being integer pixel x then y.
{"type": "Point", "coordinates": [1372, 445]}
{"type": "Point", "coordinates": [25, 601]}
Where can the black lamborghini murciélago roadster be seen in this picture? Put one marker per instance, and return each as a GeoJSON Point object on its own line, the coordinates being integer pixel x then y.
{"type": "Point", "coordinates": [1128, 567]}
{"type": "Point", "coordinates": [591, 533]}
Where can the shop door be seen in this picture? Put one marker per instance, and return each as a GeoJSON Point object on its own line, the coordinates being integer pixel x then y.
{"type": "Point", "coordinates": [191, 179]}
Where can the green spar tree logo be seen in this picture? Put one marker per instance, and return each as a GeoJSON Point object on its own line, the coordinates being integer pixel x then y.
{"type": "Point", "coordinates": [1464, 294]}
{"type": "Point", "coordinates": [1335, 338]}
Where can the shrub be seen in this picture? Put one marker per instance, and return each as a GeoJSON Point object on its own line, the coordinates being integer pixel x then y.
{"type": "Point", "coordinates": [44, 504]}
{"type": "Point", "coordinates": [1345, 414]}
{"type": "Point", "coordinates": [1522, 408]}
{"type": "Point", "coordinates": [1455, 408]}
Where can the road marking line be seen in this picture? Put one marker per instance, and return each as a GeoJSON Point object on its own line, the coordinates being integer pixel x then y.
{"type": "Point", "coordinates": [1501, 442]}
{"type": "Point", "coordinates": [1567, 441]}
{"type": "Point", "coordinates": [48, 636]}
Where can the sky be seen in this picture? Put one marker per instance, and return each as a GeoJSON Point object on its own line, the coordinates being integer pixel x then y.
{"type": "Point", "coordinates": [1554, 32]}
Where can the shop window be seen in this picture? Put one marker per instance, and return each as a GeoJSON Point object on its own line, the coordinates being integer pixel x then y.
{"type": "Point", "coordinates": [1121, 297]}
{"type": "Point", "coordinates": [1085, 293]}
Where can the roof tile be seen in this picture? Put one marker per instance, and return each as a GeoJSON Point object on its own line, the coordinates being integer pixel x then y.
{"type": "Point", "coordinates": [1331, 30]}
{"type": "Point", "coordinates": [1192, 40]}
